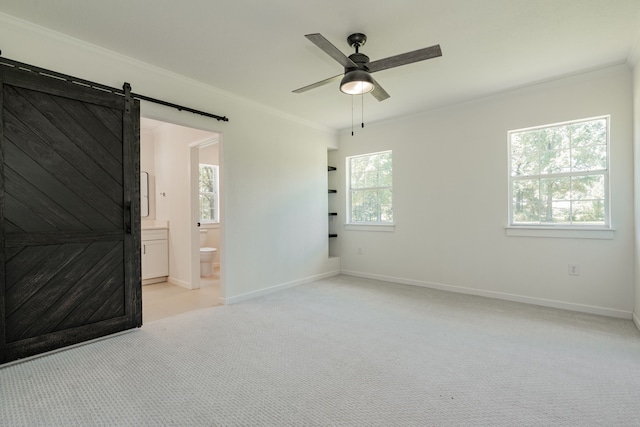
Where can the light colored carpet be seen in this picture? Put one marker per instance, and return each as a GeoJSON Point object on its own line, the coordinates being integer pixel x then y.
{"type": "Point", "coordinates": [342, 352]}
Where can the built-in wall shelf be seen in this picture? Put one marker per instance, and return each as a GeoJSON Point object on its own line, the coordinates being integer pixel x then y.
{"type": "Point", "coordinates": [332, 191]}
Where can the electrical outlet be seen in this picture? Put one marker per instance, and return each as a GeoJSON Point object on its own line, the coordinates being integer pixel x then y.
{"type": "Point", "coordinates": [574, 270]}
{"type": "Point", "coordinates": [359, 251]}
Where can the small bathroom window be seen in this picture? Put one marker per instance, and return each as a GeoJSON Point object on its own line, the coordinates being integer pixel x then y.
{"type": "Point", "coordinates": [209, 200]}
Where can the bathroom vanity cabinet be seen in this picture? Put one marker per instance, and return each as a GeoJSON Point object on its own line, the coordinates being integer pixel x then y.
{"type": "Point", "coordinates": [155, 255]}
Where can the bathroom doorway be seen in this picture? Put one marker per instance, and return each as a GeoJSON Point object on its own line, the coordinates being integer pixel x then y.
{"type": "Point", "coordinates": [170, 155]}
{"type": "Point", "coordinates": [205, 208]}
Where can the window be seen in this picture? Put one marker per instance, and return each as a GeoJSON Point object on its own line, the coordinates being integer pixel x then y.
{"type": "Point", "coordinates": [369, 188]}
{"type": "Point", "coordinates": [559, 175]}
{"type": "Point", "coordinates": [209, 211]}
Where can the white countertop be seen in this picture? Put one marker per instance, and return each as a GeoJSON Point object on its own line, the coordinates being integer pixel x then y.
{"type": "Point", "coordinates": [152, 224]}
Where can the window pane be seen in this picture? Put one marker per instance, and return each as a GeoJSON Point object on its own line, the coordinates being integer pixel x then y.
{"type": "Point", "coordinates": [554, 150]}
{"type": "Point", "coordinates": [370, 206]}
{"type": "Point", "coordinates": [383, 162]}
{"type": "Point", "coordinates": [589, 133]}
{"type": "Point", "coordinates": [557, 138]}
{"type": "Point", "coordinates": [386, 207]}
{"type": "Point", "coordinates": [560, 212]}
{"type": "Point", "coordinates": [589, 212]}
{"type": "Point", "coordinates": [555, 211]}
{"type": "Point", "coordinates": [524, 161]}
{"type": "Point", "coordinates": [207, 207]}
{"type": "Point", "coordinates": [371, 171]}
{"type": "Point", "coordinates": [555, 161]}
{"type": "Point", "coordinates": [524, 155]}
{"type": "Point", "coordinates": [371, 178]}
{"type": "Point", "coordinates": [356, 206]}
{"type": "Point", "coordinates": [525, 200]}
{"type": "Point", "coordinates": [591, 157]}
{"type": "Point", "coordinates": [364, 206]}
{"type": "Point", "coordinates": [587, 187]}
{"type": "Point", "coordinates": [357, 167]}
{"type": "Point", "coordinates": [384, 170]}
{"type": "Point", "coordinates": [206, 179]}
{"type": "Point", "coordinates": [555, 188]}
{"type": "Point", "coordinates": [555, 199]}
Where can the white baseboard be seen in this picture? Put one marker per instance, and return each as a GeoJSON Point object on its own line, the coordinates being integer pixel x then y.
{"type": "Point", "coordinates": [154, 280]}
{"type": "Point", "coordinates": [636, 320]}
{"type": "Point", "coordinates": [180, 283]}
{"type": "Point", "coordinates": [275, 288]}
{"type": "Point", "coordinates": [603, 311]}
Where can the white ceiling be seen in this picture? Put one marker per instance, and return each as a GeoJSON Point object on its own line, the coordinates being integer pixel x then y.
{"type": "Point", "coordinates": [257, 49]}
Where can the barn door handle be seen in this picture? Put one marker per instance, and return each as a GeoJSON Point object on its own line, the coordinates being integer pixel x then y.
{"type": "Point", "coordinates": [131, 219]}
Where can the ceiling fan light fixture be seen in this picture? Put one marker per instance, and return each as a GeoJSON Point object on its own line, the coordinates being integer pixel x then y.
{"type": "Point", "coordinates": [356, 82]}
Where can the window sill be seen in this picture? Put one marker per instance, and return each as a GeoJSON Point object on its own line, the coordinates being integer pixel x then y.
{"type": "Point", "coordinates": [561, 232]}
{"type": "Point", "coordinates": [370, 227]}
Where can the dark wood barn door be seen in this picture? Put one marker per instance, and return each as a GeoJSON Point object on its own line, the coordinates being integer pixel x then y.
{"type": "Point", "coordinates": [69, 214]}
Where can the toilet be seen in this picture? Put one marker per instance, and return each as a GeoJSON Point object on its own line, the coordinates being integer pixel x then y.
{"type": "Point", "coordinates": [207, 256]}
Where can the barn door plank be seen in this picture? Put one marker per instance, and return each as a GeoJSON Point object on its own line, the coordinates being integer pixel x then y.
{"type": "Point", "coordinates": [66, 164]}
{"type": "Point", "coordinates": [36, 317]}
{"type": "Point", "coordinates": [35, 280]}
{"type": "Point", "coordinates": [89, 136]}
{"type": "Point", "coordinates": [38, 176]}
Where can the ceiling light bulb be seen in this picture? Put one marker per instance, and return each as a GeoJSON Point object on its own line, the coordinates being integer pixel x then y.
{"type": "Point", "coordinates": [356, 82]}
{"type": "Point", "coordinates": [356, 88]}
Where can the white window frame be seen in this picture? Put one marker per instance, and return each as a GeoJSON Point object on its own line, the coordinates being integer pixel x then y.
{"type": "Point", "coordinates": [359, 225]}
{"type": "Point", "coordinates": [215, 194]}
{"type": "Point", "coordinates": [576, 230]}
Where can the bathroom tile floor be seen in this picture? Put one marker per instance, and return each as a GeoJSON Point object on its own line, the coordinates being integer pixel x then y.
{"type": "Point", "coordinates": [161, 300]}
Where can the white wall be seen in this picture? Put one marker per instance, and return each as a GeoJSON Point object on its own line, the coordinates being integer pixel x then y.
{"type": "Point", "coordinates": [147, 164]}
{"type": "Point", "coordinates": [636, 157]}
{"type": "Point", "coordinates": [209, 155]}
{"type": "Point", "coordinates": [450, 201]}
{"type": "Point", "coordinates": [274, 166]}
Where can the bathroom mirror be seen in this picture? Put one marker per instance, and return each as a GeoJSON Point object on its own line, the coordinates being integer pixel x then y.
{"type": "Point", "coordinates": [144, 194]}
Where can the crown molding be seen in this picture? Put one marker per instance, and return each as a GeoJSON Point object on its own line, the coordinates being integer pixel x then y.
{"type": "Point", "coordinates": [12, 23]}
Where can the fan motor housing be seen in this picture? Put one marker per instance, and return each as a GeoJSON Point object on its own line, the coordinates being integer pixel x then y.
{"type": "Point", "coordinates": [361, 59]}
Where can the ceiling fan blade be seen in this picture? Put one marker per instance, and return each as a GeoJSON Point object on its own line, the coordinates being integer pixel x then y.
{"type": "Point", "coordinates": [379, 93]}
{"type": "Point", "coordinates": [324, 44]}
{"type": "Point", "coordinates": [405, 58]}
{"type": "Point", "coordinates": [318, 84]}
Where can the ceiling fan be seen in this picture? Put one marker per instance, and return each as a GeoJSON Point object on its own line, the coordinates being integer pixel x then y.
{"type": "Point", "coordinates": [356, 78]}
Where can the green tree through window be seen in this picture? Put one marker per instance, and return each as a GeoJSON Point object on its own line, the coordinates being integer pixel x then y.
{"type": "Point", "coordinates": [209, 193]}
{"type": "Point", "coordinates": [370, 195]}
{"type": "Point", "coordinates": [559, 174]}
